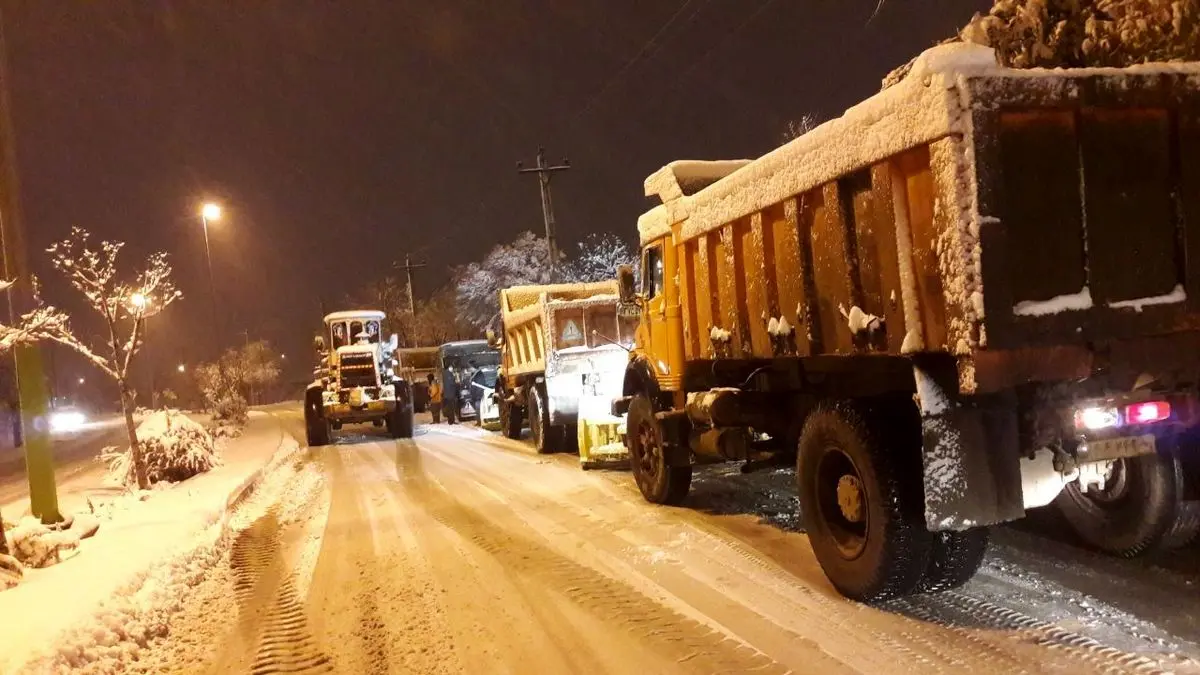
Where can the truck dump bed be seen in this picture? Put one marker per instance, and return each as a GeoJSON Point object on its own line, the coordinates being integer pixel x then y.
{"type": "Point", "coordinates": [541, 320]}
{"type": "Point", "coordinates": [1034, 224]}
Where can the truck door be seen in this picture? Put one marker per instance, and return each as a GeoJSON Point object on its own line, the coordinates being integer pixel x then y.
{"type": "Point", "coordinates": [655, 311]}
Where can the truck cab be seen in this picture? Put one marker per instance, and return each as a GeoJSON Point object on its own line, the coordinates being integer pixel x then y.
{"type": "Point", "coordinates": [355, 379]}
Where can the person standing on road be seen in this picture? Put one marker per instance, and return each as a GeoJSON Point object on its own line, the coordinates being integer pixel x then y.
{"type": "Point", "coordinates": [435, 399]}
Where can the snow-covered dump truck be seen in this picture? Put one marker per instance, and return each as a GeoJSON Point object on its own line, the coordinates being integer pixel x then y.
{"type": "Point", "coordinates": [355, 380]}
{"type": "Point", "coordinates": [564, 353]}
{"type": "Point", "coordinates": [415, 365]}
{"type": "Point", "coordinates": [468, 376]}
{"type": "Point", "coordinates": [973, 294]}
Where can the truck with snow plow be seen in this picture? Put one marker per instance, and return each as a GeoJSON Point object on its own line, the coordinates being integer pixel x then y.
{"type": "Point", "coordinates": [355, 381]}
{"type": "Point", "coordinates": [563, 352]}
{"type": "Point", "coordinates": [974, 294]}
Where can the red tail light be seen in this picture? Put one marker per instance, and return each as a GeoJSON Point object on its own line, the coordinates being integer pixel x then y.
{"type": "Point", "coordinates": [1147, 412]}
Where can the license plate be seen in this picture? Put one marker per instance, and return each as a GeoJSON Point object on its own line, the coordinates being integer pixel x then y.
{"type": "Point", "coordinates": [630, 311]}
{"type": "Point", "coordinates": [1113, 448]}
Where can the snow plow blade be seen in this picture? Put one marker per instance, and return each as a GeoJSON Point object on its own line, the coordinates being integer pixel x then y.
{"type": "Point", "coordinates": [602, 444]}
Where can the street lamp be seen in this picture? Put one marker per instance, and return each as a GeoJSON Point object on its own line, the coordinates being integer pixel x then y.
{"type": "Point", "coordinates": [139, 300]}
{"type": "Point", "coordinates": [81, 380]}
{"type": "Point", "coordinates": [210, 212]}
{"type": "Point", "coordinates": [181, 368]}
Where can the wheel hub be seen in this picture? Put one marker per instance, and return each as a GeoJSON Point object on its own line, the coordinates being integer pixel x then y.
{"type": "Point", "coordinates": [648, 444]}
{"type": "Point", "coordinates": [850, 498]}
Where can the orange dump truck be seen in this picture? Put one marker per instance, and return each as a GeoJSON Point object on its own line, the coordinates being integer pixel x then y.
{"type": "Point", "coordinates": [976, 293]}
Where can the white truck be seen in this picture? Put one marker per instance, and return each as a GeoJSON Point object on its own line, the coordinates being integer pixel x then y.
{"type": "Point", "coordinates": [564, 352]}
{"type": "Point", "coordinates": [355, 380]}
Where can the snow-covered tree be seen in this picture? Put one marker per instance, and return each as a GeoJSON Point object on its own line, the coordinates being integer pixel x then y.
{"type": "Point", "coordinates": [523, 261]}
{"type": "Point", "coordinates": [1075, 33]}
{"type": "Point", "coordinates": [598, 258]}
{"type": "Point", "coordinates": [227, 383]}
{"type": "Point", "coordinates": [800, 126]}
{"type": "Point", "coordinates": [437, 320]}
{"type": "Point", "coordinates": [123, 305]}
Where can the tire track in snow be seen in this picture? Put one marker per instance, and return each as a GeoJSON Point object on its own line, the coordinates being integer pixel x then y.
{"type": "Point", "coordinates": [691, 644]}
{"type": "Point", "coordinates": [269, 604]}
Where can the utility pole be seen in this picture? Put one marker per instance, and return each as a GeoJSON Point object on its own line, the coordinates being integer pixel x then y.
{"type": "Point", "coordinates": [543, 173]}
{"type": "Point", "coordinates": [31, 379]}
{"type": "Point", "coordinates": [408, 268]}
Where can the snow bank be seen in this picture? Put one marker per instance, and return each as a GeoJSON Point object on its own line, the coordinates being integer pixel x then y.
{"type": "Point", "coordinates": [99, 611]}
{"type": "Point", "coordinates": [36, 545]}
{"type": "Point", "coordinates": [174, 448]}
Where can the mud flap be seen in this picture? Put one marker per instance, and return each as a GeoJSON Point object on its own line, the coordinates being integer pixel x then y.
{"type": "Point", "coordinates": [970, 454]}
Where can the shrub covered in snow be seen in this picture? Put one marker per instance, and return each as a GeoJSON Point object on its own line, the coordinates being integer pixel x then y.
{"type": "Point", "coordinates": [174, 448]}
{"type": "Point", "coordinates": [1079, 33]}
{"type": "Point", "coordinates": [36, 545]}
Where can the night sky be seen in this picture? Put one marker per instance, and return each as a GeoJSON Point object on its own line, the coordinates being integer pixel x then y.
{"type": "Point", "coordinates": [339, 135]}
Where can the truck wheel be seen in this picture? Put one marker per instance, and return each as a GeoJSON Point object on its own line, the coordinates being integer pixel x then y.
{"type": "Point", "coordinates": [544, 433]}
{"type": "Point", "coordinates": [316, 427]}
{"type": "Point", "coordinates": [400, 422]}
{"type": "Point", "coordinates": [862, 499]}
{"type": "Point", "coordinates": [659, 483]}
{"type": "Point", "coordinates": [1133, 513]}
{"type": "Point", "coordinates": [510, 420]}
{"type": "Point", "coordinates": [953, 559]}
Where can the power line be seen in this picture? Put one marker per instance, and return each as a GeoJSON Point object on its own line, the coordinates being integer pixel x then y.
{"type": "Point", "coordinates": [644, 51]}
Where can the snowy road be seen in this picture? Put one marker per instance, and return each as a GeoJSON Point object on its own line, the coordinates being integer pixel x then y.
{"type": "Point", "coordinates": [461, 552]}
{"type": "Point", "coordinates": [76, 460]}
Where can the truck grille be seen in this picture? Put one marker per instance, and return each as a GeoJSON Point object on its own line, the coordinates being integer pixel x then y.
{"type": "Point", "coordinates": [357, 370]}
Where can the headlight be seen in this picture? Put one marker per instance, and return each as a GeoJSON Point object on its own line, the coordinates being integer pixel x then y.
{"type": "Point", "coordinates": [1094, 419]}
{"type": "Point", "coordinates": [62, 422]}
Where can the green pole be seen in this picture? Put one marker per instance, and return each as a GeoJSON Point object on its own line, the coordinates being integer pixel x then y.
{"type": "Point", "coordinates": [35, 422]}
{"type": "Point", "coordinates": [31, 381]}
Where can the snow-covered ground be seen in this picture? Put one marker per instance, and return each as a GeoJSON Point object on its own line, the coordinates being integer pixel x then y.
{"type": "Point", "coordinates": [461, 551]}
{"type": "Point", "coordinates": [113, 597]}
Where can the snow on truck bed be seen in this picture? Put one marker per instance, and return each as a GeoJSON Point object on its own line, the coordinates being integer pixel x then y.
{"type": "Point", "coordinates": [922, 107]}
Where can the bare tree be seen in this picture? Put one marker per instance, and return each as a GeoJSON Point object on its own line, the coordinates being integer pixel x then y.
{"type": "Point", "coordinates": [800, 126]}
{"type": "Point", "coordinates": [123, 306]}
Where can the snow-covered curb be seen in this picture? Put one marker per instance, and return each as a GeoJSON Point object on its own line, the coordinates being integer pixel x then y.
{"type": "Point", "coordinates": [101, 638]}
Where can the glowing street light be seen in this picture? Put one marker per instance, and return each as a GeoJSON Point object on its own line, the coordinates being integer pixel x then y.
{"type": "Point", "coordinates": [81, 380]}
{"type": "Point", "coordinates": [210, 211]}
{"type": "Point", "coordinates": [181, 368]}
{"type": "Point", "coordinates": [139, 300]}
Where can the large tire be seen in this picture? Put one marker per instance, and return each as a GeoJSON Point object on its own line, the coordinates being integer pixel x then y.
{"type": "Point", "coordinates": [1137, 512]}
{"type": "Point", "coordinates": [511, 420]}
{"type": "Point", "coordinates": [862, 498]}
{"type": "Point", "coordinates": [400, 421]}
{"type": "Point", "coordinates": [659, 483]}
{"type": "Point", "coordinates": [545, 435]}
{"type": "Point", "coordinates": [316, 426]}
{"type": "Point", "coordinates": [953, 559]}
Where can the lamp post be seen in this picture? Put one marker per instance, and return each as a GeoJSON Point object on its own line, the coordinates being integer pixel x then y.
{"type": "Point", "coordinates": [210, 212]}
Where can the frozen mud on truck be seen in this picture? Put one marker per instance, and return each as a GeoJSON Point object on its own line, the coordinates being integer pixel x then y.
{"type": "Point", "coordinates": [974, 294]}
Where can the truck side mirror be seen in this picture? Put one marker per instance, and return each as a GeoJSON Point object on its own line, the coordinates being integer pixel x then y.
{"type": "Point", "coordinates": [393, 343]}
{"type": "Point", "coordinates": [319, 344]}
{"type": "Point", "coordinates": [492, 340]}
{"type": "Point", "coordinates": [626, 283]}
